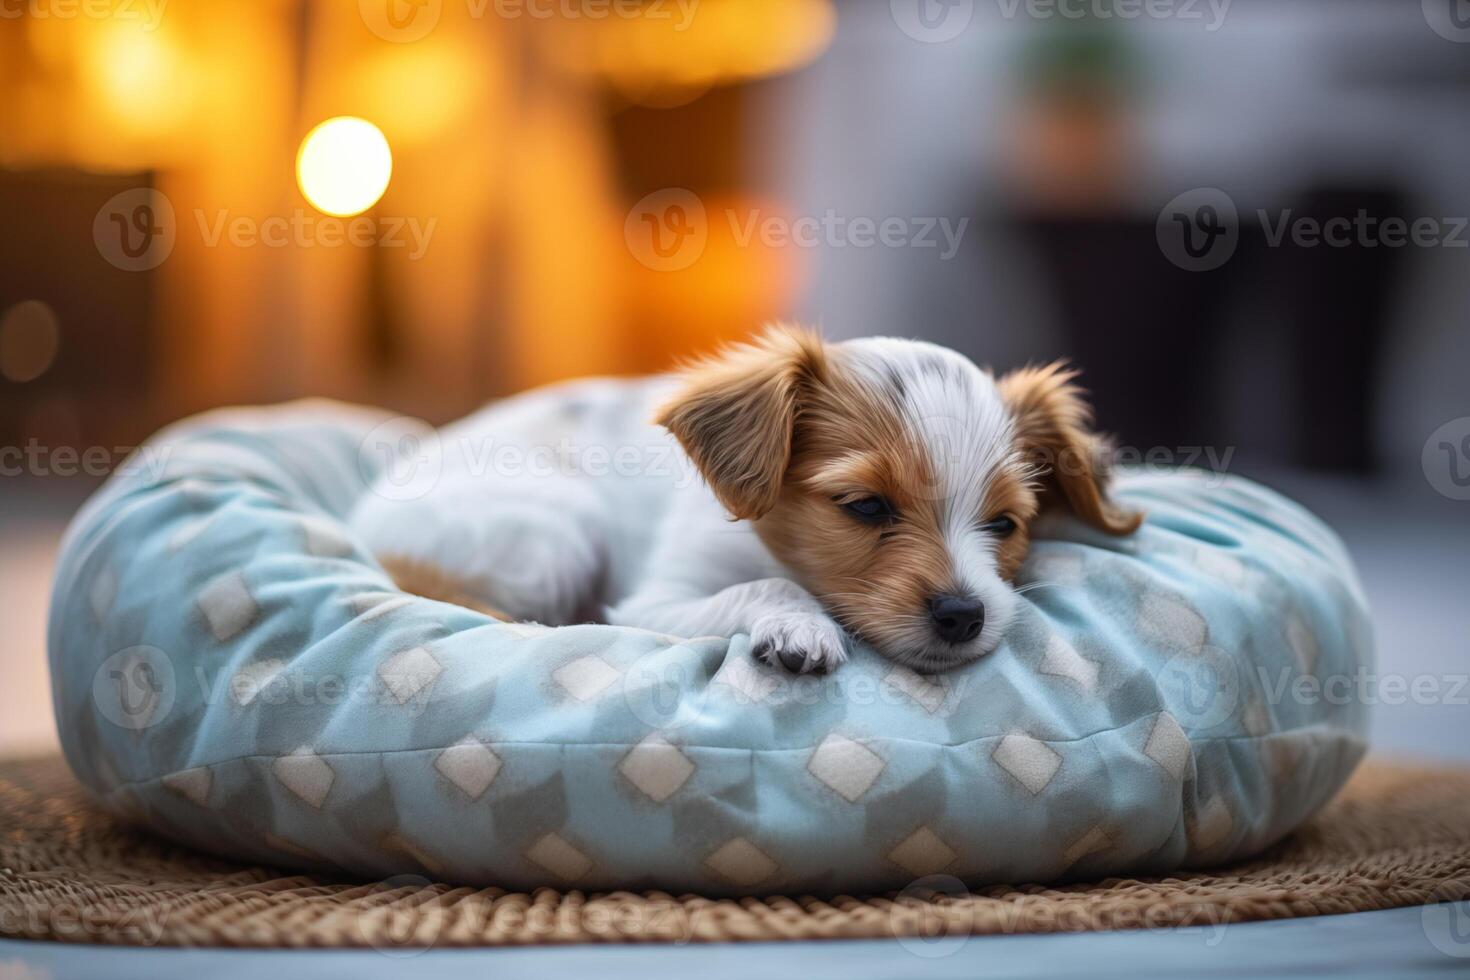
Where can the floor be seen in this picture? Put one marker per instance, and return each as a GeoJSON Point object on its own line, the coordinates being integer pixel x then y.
{"type": "Point", "coordinates": [1433, 941]}
{"type": "Point", "coordinates": [33, 514]}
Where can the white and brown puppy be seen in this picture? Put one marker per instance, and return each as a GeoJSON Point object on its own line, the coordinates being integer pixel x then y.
{"type": "Point", "coordinates": [878, 488]}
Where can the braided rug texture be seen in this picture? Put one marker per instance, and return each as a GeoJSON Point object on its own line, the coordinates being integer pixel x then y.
{"type": "Point", "coordinates": [1396, 836]}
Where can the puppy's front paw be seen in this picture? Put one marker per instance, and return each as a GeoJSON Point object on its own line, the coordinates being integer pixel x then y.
{"type": "Point", "coordinates": [801, 642]}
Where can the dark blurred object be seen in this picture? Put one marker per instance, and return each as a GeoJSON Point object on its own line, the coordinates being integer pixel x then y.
{"type": "Point", "coordinates": [1338, 302]}
{"type": "Point", "coordinates": [101, 313]}
{"type": "Point", "coordinates": [1145, 332]}
{"type": "Point", "coordinates": [1152, 337]}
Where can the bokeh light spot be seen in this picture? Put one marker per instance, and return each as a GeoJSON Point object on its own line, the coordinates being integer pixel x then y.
{"type": "Point", "coordinates": [344, 166]}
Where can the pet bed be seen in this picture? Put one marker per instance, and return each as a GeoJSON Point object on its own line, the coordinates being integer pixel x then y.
{"type": "Point", "coordinates": [232, 670]}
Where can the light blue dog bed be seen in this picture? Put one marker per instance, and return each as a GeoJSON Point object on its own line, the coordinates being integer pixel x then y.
{"type": "Point", "coordinates": [234, 671]}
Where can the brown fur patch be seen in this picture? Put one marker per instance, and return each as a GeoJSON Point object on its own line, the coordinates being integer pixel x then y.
{"type": "Point", "coordinates": [423, 579]}
{"type": "Point", "coordinates": [1011, 494]}
{"type": "Point", "coordinates": [1054, 431]}
{"type": "Point", "coordinates": [735, 412]}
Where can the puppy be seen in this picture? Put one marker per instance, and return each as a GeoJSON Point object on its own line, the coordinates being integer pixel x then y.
{"type": "Point", "coordinates": [875, 489]}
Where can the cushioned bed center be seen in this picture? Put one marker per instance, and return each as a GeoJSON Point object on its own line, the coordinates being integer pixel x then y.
{"type": "Point", "coordinates": [234, 671]}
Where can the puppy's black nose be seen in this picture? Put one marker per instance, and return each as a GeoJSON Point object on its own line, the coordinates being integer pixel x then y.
{"type": "Point", "coordinates": [957, 619]}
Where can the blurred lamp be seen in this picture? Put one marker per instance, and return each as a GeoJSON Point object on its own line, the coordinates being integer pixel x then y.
{"type": "Point", "coordinates": [344, 165]}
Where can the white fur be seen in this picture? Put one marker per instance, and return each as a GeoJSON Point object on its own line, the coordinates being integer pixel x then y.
{"type": "Point", "coordinates": [654, 548]}
{"type": "Point", "coordinates": [958, 416]}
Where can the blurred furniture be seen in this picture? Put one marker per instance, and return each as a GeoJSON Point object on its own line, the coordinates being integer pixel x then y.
{"type": "Point", "coordinates": [92, 391]}
{"type": "Point", "coordinates": [1158, 346]}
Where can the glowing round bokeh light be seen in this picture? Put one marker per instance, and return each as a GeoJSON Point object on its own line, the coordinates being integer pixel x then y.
{"type": "Point", "coordinates": [344, 166]}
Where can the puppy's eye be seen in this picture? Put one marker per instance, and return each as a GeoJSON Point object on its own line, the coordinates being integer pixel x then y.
{"type": "Point", "coordinates": [870, 510]}
{"type": "Point", "coordinates": [1002, 526]}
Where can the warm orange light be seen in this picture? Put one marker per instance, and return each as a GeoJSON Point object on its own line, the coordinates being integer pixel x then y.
{"type": "Point", "coordinates": [344, 166]}
{"type": "Point", "coordinates": [418, 91]}
{"type": "Point", "coordinates": [732, 284]}
{"type": "Point", "coordinates": [716, 42]}
{"type": "Point", "coordinates": [138, 78]}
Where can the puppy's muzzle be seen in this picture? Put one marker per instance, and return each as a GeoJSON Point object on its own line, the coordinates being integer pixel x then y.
{"type": "Point", "coordinates": [957, 619]}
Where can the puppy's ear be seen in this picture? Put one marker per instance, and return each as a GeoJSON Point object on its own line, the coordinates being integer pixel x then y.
{"type": "Point", "coordinates": [1054, 431]}
{"type": "Point", "coordinates": [736, 411]}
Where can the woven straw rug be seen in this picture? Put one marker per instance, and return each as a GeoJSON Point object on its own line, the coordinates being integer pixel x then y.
{"type": "Point", "coordinates": [1397, 836]}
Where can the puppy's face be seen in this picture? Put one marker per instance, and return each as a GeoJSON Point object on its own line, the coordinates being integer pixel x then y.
{"type": "Point", "coordinates": [895, 479]}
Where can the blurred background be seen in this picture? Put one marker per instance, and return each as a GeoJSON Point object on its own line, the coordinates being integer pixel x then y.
{"type": "Point", "coordinates": [1245, 221]}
